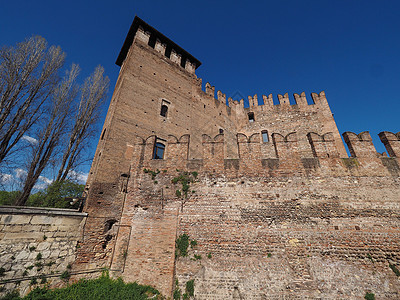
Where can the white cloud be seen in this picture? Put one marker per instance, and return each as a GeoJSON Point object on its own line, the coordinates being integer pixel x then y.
{"type": "Point", "coordinates": [20, 173]}
{"type": "Point", "coordinates": [6, 178]}
{"type": "Point", "coordinates": [45, 180]}
{"type": "Point", "coordinates": [80, 177]}
{"type": "Point", "coordinates": [30, 139]}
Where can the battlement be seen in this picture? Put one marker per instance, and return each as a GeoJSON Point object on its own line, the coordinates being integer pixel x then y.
{"type": "Point", "coordinates": [146, 34]}
{"type": "Point", "coordinates": [267, 102]}
{"type": "Point", "coordinates": [278, 157]}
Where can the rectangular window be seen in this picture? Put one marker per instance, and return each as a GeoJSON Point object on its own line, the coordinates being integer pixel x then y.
{"type": "Point", "coordinates": [159, 149]}
{"type": "Point", "coordinates": [264, 135]}
{"type": "Point", "coordinates": [251, 117]}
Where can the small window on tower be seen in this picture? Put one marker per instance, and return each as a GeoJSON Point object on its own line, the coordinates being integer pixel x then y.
{"type": "Point", "coordinates": [159, 148]}
{"type": "Point", "coordinates": [164, 110]}
{"type": "Point", "coordinates": [251, 117]}
{"type": "Point", "coordinates": [264, 135]}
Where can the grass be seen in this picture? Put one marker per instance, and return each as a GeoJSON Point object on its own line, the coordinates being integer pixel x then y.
{"type": "Point", "coordinates": [101, 288]}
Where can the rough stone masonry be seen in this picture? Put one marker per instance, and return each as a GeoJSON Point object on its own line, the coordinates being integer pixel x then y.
{"type": "Point", "coordinates": [274, 207]}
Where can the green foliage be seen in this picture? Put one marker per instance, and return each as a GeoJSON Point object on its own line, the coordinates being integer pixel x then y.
{"type": "Point", "coordinates": [177, 294]}
{"type": "Point", "coordinates": [197, 257]}
{"type": "Point", "coordinates": [39, 256]}
{"type": "Point", "coordinates": [65, 275]}
{"type": "Point", "coordinates": [55, 195]}
{"type": "Point", "coordinates": [25, 273]}
{"type": "Point", "coordinates": [69, 266]}
{"type": "Point", "coordinates": [152, 173]}
{"type": "Point", "coordinates": [33, 281]}
{"type": "Point", "coordinates": [178, 193]}
{"type": "Point", "coordinates": [190, 287]}
{"type": "Point", "coordinates": [33, 248]}
{"type": "Point", "coordinates": [101, 288]}
{"type": "Point", "coordinates": [370, 258]}
{"type": "Point", "coordinates": [394, 269]}
{"type": "Point", "coordinates": [185, 179]}
{"type": "Point", "coordinates": [193, 243]}
{"type": "Point", "coordinates": [2, 271]}
{"type": "Point", "coordinates": [369, 296]}
{"type": "Point", "coordinates": [182, 244]}
{"type": "Point", "coordinates": [14, 295]}
{"type": "Point", "coordinates": [8, 198]}
{"type": "Point", "coordinates": [269, 254]}
{"type": "Point", "coordinates": [209, 255]}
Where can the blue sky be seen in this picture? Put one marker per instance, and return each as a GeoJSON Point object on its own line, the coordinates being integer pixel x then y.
{"type": "Point", "coordinates": [350, 49]}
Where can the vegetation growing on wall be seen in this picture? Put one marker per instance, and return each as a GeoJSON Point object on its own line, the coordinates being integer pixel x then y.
{"type": "Point", "coordinates": [185, 179]}
{"type": "Point", "coordinates": [102, 288]}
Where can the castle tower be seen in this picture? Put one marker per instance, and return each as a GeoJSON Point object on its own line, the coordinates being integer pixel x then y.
{"type": "Point", "coordinates": [160, 120]}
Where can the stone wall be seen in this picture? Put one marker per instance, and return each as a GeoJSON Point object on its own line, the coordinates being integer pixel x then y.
{"type": "Point", "coordinates": [37, 245]}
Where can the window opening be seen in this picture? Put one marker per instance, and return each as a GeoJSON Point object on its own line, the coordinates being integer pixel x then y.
{"type": "Point", "coordinates": [221, 131]}
{"type": "Point", "coordinates": [168, 52]}
{"type": "Point", "coordinates": [183, 61]}
{"type": "Point", "coordinates": [264, 135]}
{"type": "Point", "coordinates": [164, 111]}
{"type": "Point", "coordinates": [104, 132]}
{"type": "Point", "coordinates": [159, 149]}
{"type": "Point", "coordinates": [251, 117]}
{"type": "Point", "coordinates": [152, 41]}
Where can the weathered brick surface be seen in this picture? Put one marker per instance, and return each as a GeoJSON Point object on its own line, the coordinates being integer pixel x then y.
{"type": "Point", "coordinates": [291, 217]}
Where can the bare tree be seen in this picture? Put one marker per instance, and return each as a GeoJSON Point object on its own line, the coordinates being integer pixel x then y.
{"type": "Point", "coordinates": [55, 125]}
{"type": "Point", "coordinates": [28, 75]}
{"type": "Point", "coordinates": [93, 94]}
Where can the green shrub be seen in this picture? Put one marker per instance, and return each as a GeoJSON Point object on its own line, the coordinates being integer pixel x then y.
{"type": "Point", "coordinates": [2, 271]}
{"type": "Point", "coordinates": [39, 256]}
{"type": "Point", "coordinates": [193, 243]}
{"type": "Point", "coordinates": [209, 255]}
{"type": "Point", "coordinates": [197, 257]}
{"type": "Point", "coordinates": [102, 288]}
{"type": "Point", "coordinates": [182, 244]}
{"type": "Point", "coordinates": [369, 296]}
{"type": "Point", "coordinates": [190, 287]}
{"type": "Point", "coordinates": [65, 275]}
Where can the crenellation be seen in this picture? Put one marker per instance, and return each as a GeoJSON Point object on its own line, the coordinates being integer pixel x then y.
{"type": "Point", "coordinates": [391, 142]}
{"type": "Point", "coordinates": [360, 145]}
{"type": "Point", "coordinates": [160, 47]}
{"type": "Point", "coordinates": [221, 97]}
{"type": "Point", "coordinates": [175, 57]}
{"type": "Point", "coordinates": [301, 100]}
{"type": "Point", "coordinates": [143, 35]}
{"type": "Point", "coordinates": [284, 100]}
{"type": "Point", "coordinates": [210, 90]}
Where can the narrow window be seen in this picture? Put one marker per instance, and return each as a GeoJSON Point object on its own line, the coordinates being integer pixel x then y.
{"type": "Point", "coordinates": [159, 148]}
{"type": "Point", "coordinates": [104, 132]}
{"type": "Point", "coordinates": [168, 52]}
{"type": "Point", "coordinates": [183, 61]}
{"type": "Point", "coordinates": [251, 117]}
{"type": "Point", "coordinates": [164, 111]}
{"type": "Point", "coordinates": [152, 41]}
{"type": "Point", "coordinates": [264, 135]}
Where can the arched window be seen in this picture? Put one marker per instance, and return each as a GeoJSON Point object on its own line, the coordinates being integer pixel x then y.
{"type": "Point", "coordinates": [265, 137]}
{"type": "Point", "coordinates": [158, 152]}
{"type": "Point", "coordinates": [164, 110]}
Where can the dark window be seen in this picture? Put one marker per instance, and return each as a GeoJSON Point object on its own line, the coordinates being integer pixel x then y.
{"type": "Point", "coordinates": [164, 110]}
{"type": "Point", "coordinates": [251, 117]}
{"type": "Point", "coordinates": [168, 52]}
{"type": "Point", "coordinates": [152, 41]}
{"type": "Point", "coordinates": [264, 135]}
{"type": "Point", "coordinates": [183, 62]}
{"type": "Point", "coordinates": [221, 131]}
{"type": "Point", "coordinates": [158, 150]}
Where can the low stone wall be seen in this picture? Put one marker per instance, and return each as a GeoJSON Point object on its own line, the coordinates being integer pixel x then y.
{"type": "Point", "coordinates": [37, 246]}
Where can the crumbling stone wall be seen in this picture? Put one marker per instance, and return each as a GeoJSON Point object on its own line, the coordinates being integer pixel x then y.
{"type": "Point", "coordinates": [37, 245]}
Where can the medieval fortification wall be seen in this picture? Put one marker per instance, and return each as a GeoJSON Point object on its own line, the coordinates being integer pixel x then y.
{"type": "Point", "coordinates": [277, 208]}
